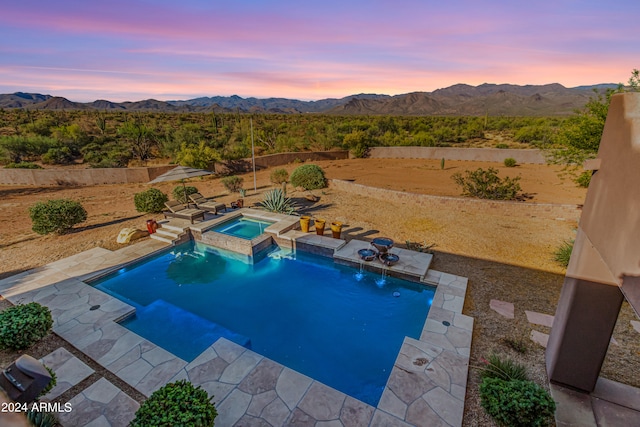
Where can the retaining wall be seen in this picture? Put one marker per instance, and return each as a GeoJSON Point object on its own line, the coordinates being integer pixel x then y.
{"type": "Point", "coordinates": [521, 209]}
{"type": "Point", "coordinates": [475, 154]}
{"type": "Point", "coordinates": [271, 160]}
{"type": "Point", "coordinates": [72, 177]}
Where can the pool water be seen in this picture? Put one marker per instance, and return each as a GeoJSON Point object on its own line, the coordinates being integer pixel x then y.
{"type": "Point", "coordinates": [243, 227]}
{"type": "Point", "coordinates": [332, 323]}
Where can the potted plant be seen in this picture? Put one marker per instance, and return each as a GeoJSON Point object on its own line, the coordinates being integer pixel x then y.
{"type": "Point", "coordinates": [304, 223]}
{"type": "Point", "coordinates": [336, 229]}
{"type": "Point", "coordinates": [319, 224]}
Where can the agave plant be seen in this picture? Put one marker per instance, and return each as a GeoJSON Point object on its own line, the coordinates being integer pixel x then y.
{"type": "Point", "coordinates": [276, 201]}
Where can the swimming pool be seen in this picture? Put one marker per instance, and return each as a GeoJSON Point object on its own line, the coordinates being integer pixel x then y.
{"type": "Point", "coordinates": [330, 322]}
{"type": "Point", "coordinates": [242, 227]}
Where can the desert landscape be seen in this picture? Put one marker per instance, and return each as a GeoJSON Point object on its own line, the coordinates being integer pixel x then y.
{"type": "Point", "coordinates": [505, 257]}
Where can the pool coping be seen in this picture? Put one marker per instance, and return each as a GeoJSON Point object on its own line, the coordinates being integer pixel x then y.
{"type": "Point", "coordinates": [426, 386]}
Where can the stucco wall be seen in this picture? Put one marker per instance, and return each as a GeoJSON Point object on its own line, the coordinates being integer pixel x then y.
{"type": "Point", "coordinates": [476, 154]}
{"type": "Point", "coordinates": [44, 177]}
{"type": "Point", "coordinates": [521, 209]}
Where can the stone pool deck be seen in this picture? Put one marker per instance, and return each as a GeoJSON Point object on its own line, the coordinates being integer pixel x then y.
{"type": "Point", "coordinates": [426, 386]}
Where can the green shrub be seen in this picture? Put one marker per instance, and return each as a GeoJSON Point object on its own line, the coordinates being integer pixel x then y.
{"type": "Point", "coordinates": [23, 165]}
{"type": "Point", "coordinates": [485, 184]}
{"type": "Point", "coordinates": [563, 253]}
{"type": "Point", "coordinates": [41, 419]}
{"type": "Point", "coordinates": [176, 404]}
{"type": "Point", "coordinates": [517, 403]}
{"type": "Point", "coordinates": [52, 383]}
{"type": "Point", "coordinates": [232, 183]}
{"type": "Point", "coordinates": [510, 162]}
{"type": "Point", "coordinates": [57, 156]}
{"type": "Point", "coordinates": [23, 325]}
{"type": "Point", "coordinates": [276, 201]}
{"type": "Point", "coordinates": [279, 176]}
{"type": "Point", "coordinates": [56, 216]}
{"type": "Point", "coordinates": [309, 177]}
{"type": "Point", "coordinates": [502, 146]}
{"type": "Point", "coordinates": [584, 179]}
{"type": "Point", "coordinates": [150, 201]}
{"type": "Point", "coordinates": [179, 193]}
{"type": "Point", "coordinates": [504, 369]}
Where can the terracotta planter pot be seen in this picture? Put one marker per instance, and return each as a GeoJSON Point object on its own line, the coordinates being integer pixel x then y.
{"type": "Point", "coordinates": [304, 223]}
{"type": "Point", "coordinates": [336, 229]}
{"type": "Point", "coordinates": [319, 224]}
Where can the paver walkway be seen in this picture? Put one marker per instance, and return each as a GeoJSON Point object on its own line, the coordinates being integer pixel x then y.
{"type": "Point", "coordinates": [69, 371]}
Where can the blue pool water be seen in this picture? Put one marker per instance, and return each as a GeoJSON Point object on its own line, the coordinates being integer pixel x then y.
{"type": "Point", "coordinates": [327, 321]}
{"type": "Point", "coordinates": [245, 228]}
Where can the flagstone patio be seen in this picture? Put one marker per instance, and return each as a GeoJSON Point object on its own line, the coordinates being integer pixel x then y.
{"type": "Point", "coordinates": [426, 386]}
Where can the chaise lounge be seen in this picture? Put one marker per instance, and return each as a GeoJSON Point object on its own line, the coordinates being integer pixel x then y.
{"type": "Point", "coordinates": [208, 205]}
{"type": "Point", "coordinates": [180, 210]}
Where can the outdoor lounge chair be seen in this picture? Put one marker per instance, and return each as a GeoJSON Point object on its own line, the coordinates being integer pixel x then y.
{"type": "Point", "coordinates": [207, 204]}
{"type": "Point", "coordinates": [179, 210]}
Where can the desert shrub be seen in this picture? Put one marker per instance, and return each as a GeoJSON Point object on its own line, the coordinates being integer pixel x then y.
{"type": "Point", "coordinates": [510, 162]}
{"type": "Point", "coordinates": [41, 419]}
{"type": "Point", "coordinates": [23, 325]}
{"type": "Point", "coordinates": [563, 253]}
{"type": "Point", "coordinates": [150, 201]}
{"type": "Point", "coordinates": [52, 383]}
{"type": "Point", "coordinates": [232, 183]}
{"type": "Point", "coordinates": [504, 369]}
{"type": "Point", "coordinates": [179, 193]}
{"type": "Point", "coordinates": [276, 201]}
{"type": "Point", "coordinates": [517, 403]}
{"type": "Point", "coordinates": [23, 165]}
{"type": "Point", "coordinates": [584, 179]}
{"type": "Point", "coordinates": [486, 184]}
{"type": "Point", "coordinates": [502, 146]}
{"type": "Point", "coordinates": [57, 156]}
{"type": "Point", "coordinates": [176, 404]}
{"type": "Point", "coordinates": [420, 247]}
{"type": "Point", "coordinates": [279, 176]}
{"type": "Point", "coordinates": [309, 177]}
{"type": "Point", "coordinates": [56, 216]}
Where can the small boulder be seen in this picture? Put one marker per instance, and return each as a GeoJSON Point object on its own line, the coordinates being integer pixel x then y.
{"type": "Point", "coordinates": [128, 234]}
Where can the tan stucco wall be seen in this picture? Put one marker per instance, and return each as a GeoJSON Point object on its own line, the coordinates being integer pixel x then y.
{"type": "Point", "coordinates": [473, 154]}
{"type": "Point", "coordinates": [45, 177]}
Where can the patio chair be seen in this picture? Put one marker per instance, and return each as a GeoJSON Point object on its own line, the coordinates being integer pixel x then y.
{"type": "Point", "coordinates": [180, 210]}
{"type": "Point", "coordinates": [208, 205]}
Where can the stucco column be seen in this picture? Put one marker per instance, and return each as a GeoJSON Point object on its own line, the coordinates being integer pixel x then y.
{"type": "Point", "coordinates": [581, 332]}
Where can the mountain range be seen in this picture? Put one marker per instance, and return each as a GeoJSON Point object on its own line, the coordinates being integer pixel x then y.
{"type": "Point", "coordinates": [457, 100]}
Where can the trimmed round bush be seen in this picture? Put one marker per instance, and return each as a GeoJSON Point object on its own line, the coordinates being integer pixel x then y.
{"type": "Point", "coordinates": [176, 404]}
{"type": "Point", "coordinates": [510, 162]}
{"type": "Point", "coordinates": [150, 201]}
{"type": "Point", "coordinates": [56, 216]}
{"type": "Point", "coordinates": [278, 176]}
{"type": "Point", "coordinates": [179, 193]}
{"type": "Point", "coordinates": [309, 177]}
{"type": "Point", "coordinates": [23, 325]}
{"type": "Point", "coordinates": [517, 403]}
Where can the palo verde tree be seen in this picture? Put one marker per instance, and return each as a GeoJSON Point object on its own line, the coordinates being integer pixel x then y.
{"type": "Point", "coordinates": [139, 136]}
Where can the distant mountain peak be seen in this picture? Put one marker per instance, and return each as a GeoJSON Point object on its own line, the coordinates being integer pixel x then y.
{"type": "Point", "coordinates": [458, 99]}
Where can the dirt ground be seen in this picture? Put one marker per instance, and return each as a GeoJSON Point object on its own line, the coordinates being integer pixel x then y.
{"type": "Point", "coordinates": [504, 257]}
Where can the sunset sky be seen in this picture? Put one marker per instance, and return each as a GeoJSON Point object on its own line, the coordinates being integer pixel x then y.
{"type": "Point", "coordinates": [129, 50]}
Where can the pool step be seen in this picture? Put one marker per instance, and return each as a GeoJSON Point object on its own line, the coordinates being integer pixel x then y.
{"type": "Point", "coordinates": [167, 235]}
